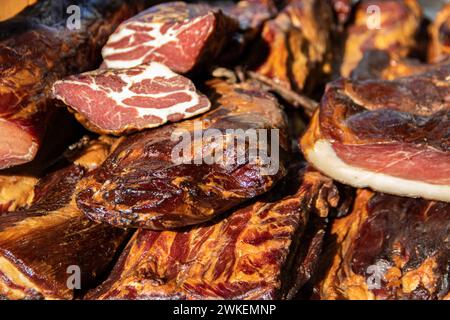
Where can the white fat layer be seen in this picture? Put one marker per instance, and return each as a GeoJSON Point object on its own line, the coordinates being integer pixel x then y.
{"type": "Point", "coordinates": [325, 159]}
{"type": "Point", "coordinates": [159, 40]}
{"type": "Point", "coordinates": [150, 71]}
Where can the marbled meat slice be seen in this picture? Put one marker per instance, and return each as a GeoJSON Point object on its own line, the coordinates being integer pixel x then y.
{"type": "Point", "coordinates": [117, 101]}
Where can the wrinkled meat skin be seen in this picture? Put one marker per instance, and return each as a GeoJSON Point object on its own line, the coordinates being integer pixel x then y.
{"type": "Point", "coordinates": [41, 242]}
{"type": "Point", "coordinates": [140, 186]}
{"type": "Point", "coordinates": [254, 253]}
{"type": "Point", "coordinates": [439, 48]}
{"type": "Point", "coordinates": [118, 101]}
{"type": "Point", "coordinates": [400, 21]}
{"type": "Point", "coordinates": [41, 51]}
{"type": "Point", "coordinates": [298, 41]}
{"type": "Point", "coordinates": [408, 115]}
{"type": "Point", "coordinates": [408, 237]}
{"type": "Point", "coordinates": [198, 27]}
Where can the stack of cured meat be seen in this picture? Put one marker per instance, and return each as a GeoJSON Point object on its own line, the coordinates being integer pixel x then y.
{"type": "Point", "coordinates": [175, 150]}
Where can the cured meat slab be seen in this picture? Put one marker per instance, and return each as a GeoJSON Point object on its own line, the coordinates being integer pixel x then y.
{"type": "Point", "coordinates": [179, 35]}
{"type": "Point", "coordinates": [439, 47]}
{"type": "Point", "coordinates": [390, 248]}
{"type": "Point", "coordinates": [298, 44]}
{"type": "Point", "coordinates": [148, 182]}
{"type": "Point", "coordinates": [391, 136]}
{"type": "Point", "coordinates": [36, 48]}
{"type": "Point", "coordinates": [116, 101]}
{"type": "Point", "coordinates": [38, 245]}
{"type": "Point", "coordinates": [390, 25]}
{"type": "Point", "coordinates": [257, 252]}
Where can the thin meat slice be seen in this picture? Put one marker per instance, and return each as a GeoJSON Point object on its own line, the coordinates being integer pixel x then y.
{"type": "Point", "coordinates": [182, 36]}
{"type": "Point", "coordinates": [45, 248]}
{"type": "Point", "coordinates": [390, 25]}
{"type": "Point", "coordinates": [191, 171]}
{"type": "Point", "coordinates": [37, 48]}
{"type": "Point", "coordinates": [116, 101]}
{"type": "Point", "coordinates": [389, 248]}
{"type": "Point", "coordinates": [259, 251]}
{"type": "Point", "coordinates": [439, 47]}
{"type": "Point", "coordinates": [391, 136]}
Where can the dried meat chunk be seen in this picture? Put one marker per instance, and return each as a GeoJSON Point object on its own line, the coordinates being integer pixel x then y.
{"type": "Point", "coordinates": [439, 47]}
{"type": "Point", "coordinates": [257, 252]}
{"type": "Point", "coordinates": [389, 25]}
{"type": "Point", "coordinates": [392, 248]}
{"type": "Point", "coordinates": [189, 172]}
{"type": "Point", "coordinates": [391, 136]}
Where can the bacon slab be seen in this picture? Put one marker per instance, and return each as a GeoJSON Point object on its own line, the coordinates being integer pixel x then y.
{"type": "Point", "coordinates": [391, 136]}
{"type": "Point", "coordinates": [45, 244]}
{"type": "Point", "coordinates": [36, 48]}
{"type": "Point", "coordinates": [298, 43]}
{"type": "Point", "coordinates": [439, 47]}
{"type": "Point", "coordinates": [116, 101]}
{"type": "Point", "coordinates": [179, 35]}
{"type": "Point", "coordinates": [257, 252]}
{"type": "Point", "coordinates": [391, 248]}
{"type": "Point", "coordinates": [390, 25]}
{"type": "Point", "coordinates": [150, 182]}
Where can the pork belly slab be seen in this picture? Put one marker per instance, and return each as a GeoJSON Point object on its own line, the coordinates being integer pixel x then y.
{"type": "Point", "coordinates": [36, 48]}
{"type": "Point", "coordinates": [117, 101]}
{"type": "Point", "coordinates": [257, 252]}
{"type": "Point", "coordinates": [152, 181]}
{"type": "Point", "coordinates": [439, 47]}
{"type": "Point", "coordinates": [389, 247]}
{"type": "Point", "coordinates": [182, 36]}
{"type": "Point", "coordinates": [41, 246]}
{"type": "Point", "coordinates": [391, 136]}
{"type": "Point", "coordinates": [390, 25]}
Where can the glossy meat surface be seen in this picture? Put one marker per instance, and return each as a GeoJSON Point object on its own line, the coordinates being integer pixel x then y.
{"type": "Point", "coordinates": [40, 247]}
{"type": "Point", "coordinates": [257, 252]}
{"type": "Point", "coordinates": [151, 182]}
{"type": "Point", "coordinates": [390, 248]}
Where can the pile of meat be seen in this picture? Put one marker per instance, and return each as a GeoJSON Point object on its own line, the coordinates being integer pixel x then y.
{"type": "Point", "coordinates": [175, 150]}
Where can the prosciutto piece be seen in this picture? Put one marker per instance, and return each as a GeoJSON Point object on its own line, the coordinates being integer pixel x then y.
{"type": "Point", "coordinates": [257, 252]}
{"type": "Point", "coordinates": [37, 48]}
{"type": "Point", "coordinates": [42, 247]}
{"type": "Point", "coordinates": [390, 25]}
{"type": "Point", "coordinates": [297, 43]}
{"type": "Point", "coordinates": [182, 36]}
{"type": "Point", "coordinates": [189, 172]}
{"type": "Point", "coordinates": [115, 101]}
{"type": "Point", "coordinates": [391, 136]}
{"type": "Point", "coordinates": [439, 47]}
{"type": "Point", "coordinates": [389, 248]}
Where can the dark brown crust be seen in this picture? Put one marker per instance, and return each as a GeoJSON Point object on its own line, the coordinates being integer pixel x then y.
{"type": "Point", "coordinates": [36, 49]}
{"type": "Point", "coordinates": [140, 186]}
{"type": "Point", "coordinates": [408, 237]}
{"type": "Point", "coordinates": [413, 110]}
{"type": "Point", "coordinates": [257, 252]}
{"type": "Point", "coordinates": [38, 244]}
